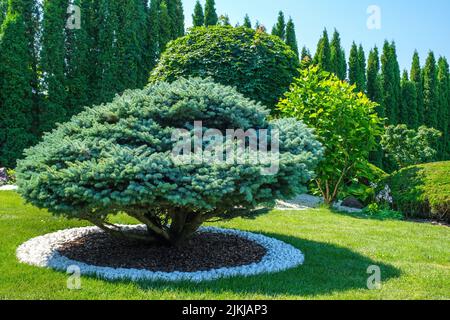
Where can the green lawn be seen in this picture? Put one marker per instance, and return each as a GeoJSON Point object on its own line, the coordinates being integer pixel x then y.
{"type": "Point", "coordinates": [414, 260]}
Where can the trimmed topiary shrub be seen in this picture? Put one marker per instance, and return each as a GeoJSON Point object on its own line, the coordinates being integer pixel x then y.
{"type": "Point", "coordinates": [259, 65]}
{"type": "Point", "coordinates": [119, 157]}
{"type": "Point", "coordinates": [422, 191]}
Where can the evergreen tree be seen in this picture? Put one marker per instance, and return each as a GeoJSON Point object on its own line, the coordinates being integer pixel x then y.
{"type": "Point", "coordinates": [16, 91]}
{"type": "Point", "coordinates": [247, 22]}
{"type": "Point", "coordinates": [78, 64]}
{"type": "Point", "coordinates": [353, 66]}
{"type": "Point", "coordinates": [362, 80]}
{"type": "Point", "coordinates": [408, 110]}
{"type": "Point", "coordinates": [153, 33]}
{"type": "Point", "coordinates": [54, 108]}
{"type": "Point", "coordinates": [164, 27]}
{"type": "Point", "coordinates": [338, 63]}
{"type": "Point", "coordinates": [211, 18]}
{"type": "Point", "coordinates": [305, 58]}
{"type": "Point", "coordinates": [107, 64]}
{"type": "Point", "coordinates": [430, 91]}
{"type": "Point", "coordinates": [374, 83]}
{"type": "Point", "coordinates": [357, 68]}
{"type": "Point", "coordinates": [444, 107]}
{"type": "Point", "coordinates": [291, 38]}
{"type": "Point", "coordinates": [397, 76]}
{"type": "Point", "coordinates": [391, 83]}
{"type": "Point", "coordinates": [224, 20]}
{"type": "Point", "coordinates": [322, 57]}
{"type": "Point", "coordinates": [280, 28]}
{"type": "Point", "coordinates": [416, 77]}
{"type": "Point", "coordinates": [132, 71]}
{"type": "Point", "coordinates": [176, 18]}
{"type": "Point", "coordinates": [3, 10]}
{"type": "Point", "coordinates": [179, 18]}
{"type": "Point", "coordinates": [375, 93]}
{"type": "Point", "coordinates": [198, 18]}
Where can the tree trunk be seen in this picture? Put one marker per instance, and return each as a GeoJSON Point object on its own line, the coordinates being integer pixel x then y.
{"type": "Point", "coordinates": [183, 227]}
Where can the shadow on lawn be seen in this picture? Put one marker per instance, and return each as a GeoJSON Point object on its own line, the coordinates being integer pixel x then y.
{"type": "Point", "coordinates": [327, 269]}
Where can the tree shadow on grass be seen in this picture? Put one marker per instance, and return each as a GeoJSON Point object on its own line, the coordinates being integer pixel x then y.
{"type": "Point", "coordinates": [327, 269]}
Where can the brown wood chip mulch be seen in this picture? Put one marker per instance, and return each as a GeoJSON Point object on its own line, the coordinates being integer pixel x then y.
{"type": "Point", "coordinates": [205, 251]}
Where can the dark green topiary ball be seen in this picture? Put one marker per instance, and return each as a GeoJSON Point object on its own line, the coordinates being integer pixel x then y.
{"type": "Point", "coordinates": [259, 65]}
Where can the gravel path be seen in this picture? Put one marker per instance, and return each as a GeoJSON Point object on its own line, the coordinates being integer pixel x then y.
{"type": "Point", "coordinates": [8, 188]}
{"type": "Point", "coordinates": [306, 202]}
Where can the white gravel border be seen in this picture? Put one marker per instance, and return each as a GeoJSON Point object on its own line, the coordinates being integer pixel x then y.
{"type": "Point", "coordinates": [8, 188]}
{"type": "Point", "coordinates": [42, 252]}
{"type": "Point", "coordinates": [305, 202]}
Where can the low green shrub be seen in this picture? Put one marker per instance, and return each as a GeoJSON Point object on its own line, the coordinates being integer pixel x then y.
{"type": "Point", "coordinates": [406, 147]}
{"type": "Point", "coordinates": [422, 191]}
{"type": "Point", "coordinates": [259, 65]}
{"type": "Point", "coordinates": [363, 185]}
{"type": "Point", "coordinates": [376, 211]}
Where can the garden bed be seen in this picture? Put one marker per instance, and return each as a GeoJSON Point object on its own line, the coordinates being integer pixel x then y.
{"type": "Point", "coordinates": [205, 251]}
{"type": "Point", "coordinates": [212, 254]}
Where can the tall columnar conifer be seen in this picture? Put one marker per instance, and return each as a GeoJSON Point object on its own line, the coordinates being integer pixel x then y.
{"type": "Point", "coordinates": [291, 38]}
{"type": "Point", "coordinates": [416, 77]}
{"type": "Point", "coordinates": [353, 65]}
{"type": "Point", "coordinates": [3, 10]}
{"type": "Point", "coordinates": [198, 18]}
{"type": "Point", "coordinates": [322, 57]}
{"type": "Point", "coordinates": [430, 92]}
{"type": "Point", "coordinates": [280, 28]}
{"type": "Point", "coordinates": [132, 69]}
{"type": "Point", "coordinates": [408, 109]}
{"type": "Point", "coordinates": [107, 58]}
{"type": "Point", "coordinates": [77, 63]}
{"type": "Point", "coordinates": [247, 22]}
{"type": "Point", "coordinates": [375, 93]}
{"type": "Point", "coordinates": [374, 83]}
{"type": "Point", "coordinates": [397, 75]}
{"type": "Point", "coordinates": [443, 106]}
{"type": "Point", "coordinates": [391, 83]}
{"type": "Point", "coordinates": [16, 90]}
{"type": "Point", "coordinates": [305, 58]}
{"type": "Point", "coordinates": [211, 17]}
{"type": "Point", "coordinates": [179, 18]}
{"type": "Point", "coordinates": [153, 33]}
{"type": "Point", "coordinates": [164, 26]}
{"type": "Point", "coordinates": [338, 61]}
{"type": "Point", "coordinates": [54, 108]}
{"type": "Point", "coordinates": [362, 80]}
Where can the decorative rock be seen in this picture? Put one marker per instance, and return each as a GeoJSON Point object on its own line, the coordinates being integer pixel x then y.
{"type": "Point", "coordinates": [352, 202]}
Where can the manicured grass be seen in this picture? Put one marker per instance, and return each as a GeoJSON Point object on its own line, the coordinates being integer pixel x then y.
{"type": "Point", "coordinates": [414, 260]}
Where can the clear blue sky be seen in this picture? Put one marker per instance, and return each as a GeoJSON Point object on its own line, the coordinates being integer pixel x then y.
{"type": "Point", "coordinates": [413, 24]}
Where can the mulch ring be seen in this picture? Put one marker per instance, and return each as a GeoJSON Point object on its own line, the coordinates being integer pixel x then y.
{"type": "Point", "coordinates": [204, 252]}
